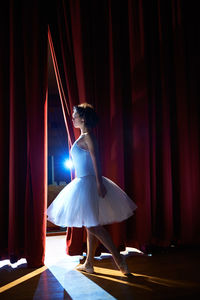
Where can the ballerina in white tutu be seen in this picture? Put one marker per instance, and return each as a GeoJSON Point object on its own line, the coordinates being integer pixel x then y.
{"type": "Point", "coordinates": [90, 200]}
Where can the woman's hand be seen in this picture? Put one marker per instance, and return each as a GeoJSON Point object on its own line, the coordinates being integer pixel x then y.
{"type": "Point", "coordinates": [101, 190]}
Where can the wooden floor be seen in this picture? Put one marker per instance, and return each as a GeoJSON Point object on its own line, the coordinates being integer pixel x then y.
{"type": "Point", "coordinates": [168, 275]}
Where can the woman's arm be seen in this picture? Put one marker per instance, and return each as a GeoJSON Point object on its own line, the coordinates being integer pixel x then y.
{"type": "Point", "coordinates": [94, 153]}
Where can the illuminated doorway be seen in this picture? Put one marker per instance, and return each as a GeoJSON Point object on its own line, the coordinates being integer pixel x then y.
{"type": "Point", "coordinates": [58, 151]}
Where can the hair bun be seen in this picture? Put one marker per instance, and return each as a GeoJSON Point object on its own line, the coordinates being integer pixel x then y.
{"type": "Point", "coordinates": [87, 112]}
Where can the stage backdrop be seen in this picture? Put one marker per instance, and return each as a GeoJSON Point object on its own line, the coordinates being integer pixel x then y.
{"type": "Point", "coordinates": [23, 86]}
{"type": "Point", "coordinates": [137, 62]}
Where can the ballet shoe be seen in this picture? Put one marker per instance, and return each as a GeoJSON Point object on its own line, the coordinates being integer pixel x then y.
{"type": "Point", "coordinates": [123, 267]}
{"type": "Point", "coordinates": [86, 269]}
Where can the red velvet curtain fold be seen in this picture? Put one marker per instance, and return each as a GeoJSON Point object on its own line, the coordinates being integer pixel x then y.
{"type": "Point", "coordinates": [23, 150]}
{"type": "Point", "coordinates": [172, 47]}
{"type": "Point", "coordinates": [137, 63]}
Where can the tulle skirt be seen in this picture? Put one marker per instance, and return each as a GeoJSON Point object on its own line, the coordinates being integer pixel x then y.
{"type": "Point", "coordinates": [79, 204]}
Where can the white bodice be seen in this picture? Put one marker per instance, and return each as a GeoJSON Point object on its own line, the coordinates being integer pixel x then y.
{"type": "Point", "coordinates": [82, 160]}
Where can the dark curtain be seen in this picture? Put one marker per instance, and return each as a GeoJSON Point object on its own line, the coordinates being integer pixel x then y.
{"type": "Point", "coordinates": [23, 86]}
{"type": "Point", "coordinates": [137, 62]}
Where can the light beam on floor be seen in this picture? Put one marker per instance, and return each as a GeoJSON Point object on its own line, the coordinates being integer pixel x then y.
{"type": "Point", "coordinates": [22, 279]}
{"type": "Point", "coordinates": [63, 266]}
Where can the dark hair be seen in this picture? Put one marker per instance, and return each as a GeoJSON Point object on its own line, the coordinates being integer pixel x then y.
{"type": "Point", "coordinates": [87, 112]}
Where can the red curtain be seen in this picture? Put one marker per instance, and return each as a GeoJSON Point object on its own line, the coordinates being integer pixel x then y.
{"type": "Point", "coordinates": [23, 119]}
{"type": "Point", "coordinates": [137, 63]}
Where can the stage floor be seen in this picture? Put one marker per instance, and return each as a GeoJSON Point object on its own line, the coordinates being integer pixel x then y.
{"type": "Point", "coordinates": [173, 275]}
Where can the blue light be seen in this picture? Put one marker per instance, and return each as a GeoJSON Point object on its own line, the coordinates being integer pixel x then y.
{"type": "Point", "coordinates": [68, 164]}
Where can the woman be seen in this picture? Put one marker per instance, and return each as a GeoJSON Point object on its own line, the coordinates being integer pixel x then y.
{"type": "Point", "coordinates": [90, 200]}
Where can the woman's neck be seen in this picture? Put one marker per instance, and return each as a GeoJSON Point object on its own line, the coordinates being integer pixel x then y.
{"type": "Point", "coordinates": [85, 131]}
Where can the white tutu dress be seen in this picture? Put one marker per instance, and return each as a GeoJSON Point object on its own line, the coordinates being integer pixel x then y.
{"type": "Point", "coordinates": [79, 204]}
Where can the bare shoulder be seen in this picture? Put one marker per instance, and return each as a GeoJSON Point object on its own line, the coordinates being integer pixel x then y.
{"type": "Point", "coordinates": [91, 140]}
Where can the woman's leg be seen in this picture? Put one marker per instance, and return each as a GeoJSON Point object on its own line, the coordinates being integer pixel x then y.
{"type": "Point", "coordinates": [92, 244]}
{"type": "Point", "coordinates": [103, 236]}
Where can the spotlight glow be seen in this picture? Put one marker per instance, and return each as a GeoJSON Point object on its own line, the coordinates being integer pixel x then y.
{"type": "Point", "coordinates": [68, 164]}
